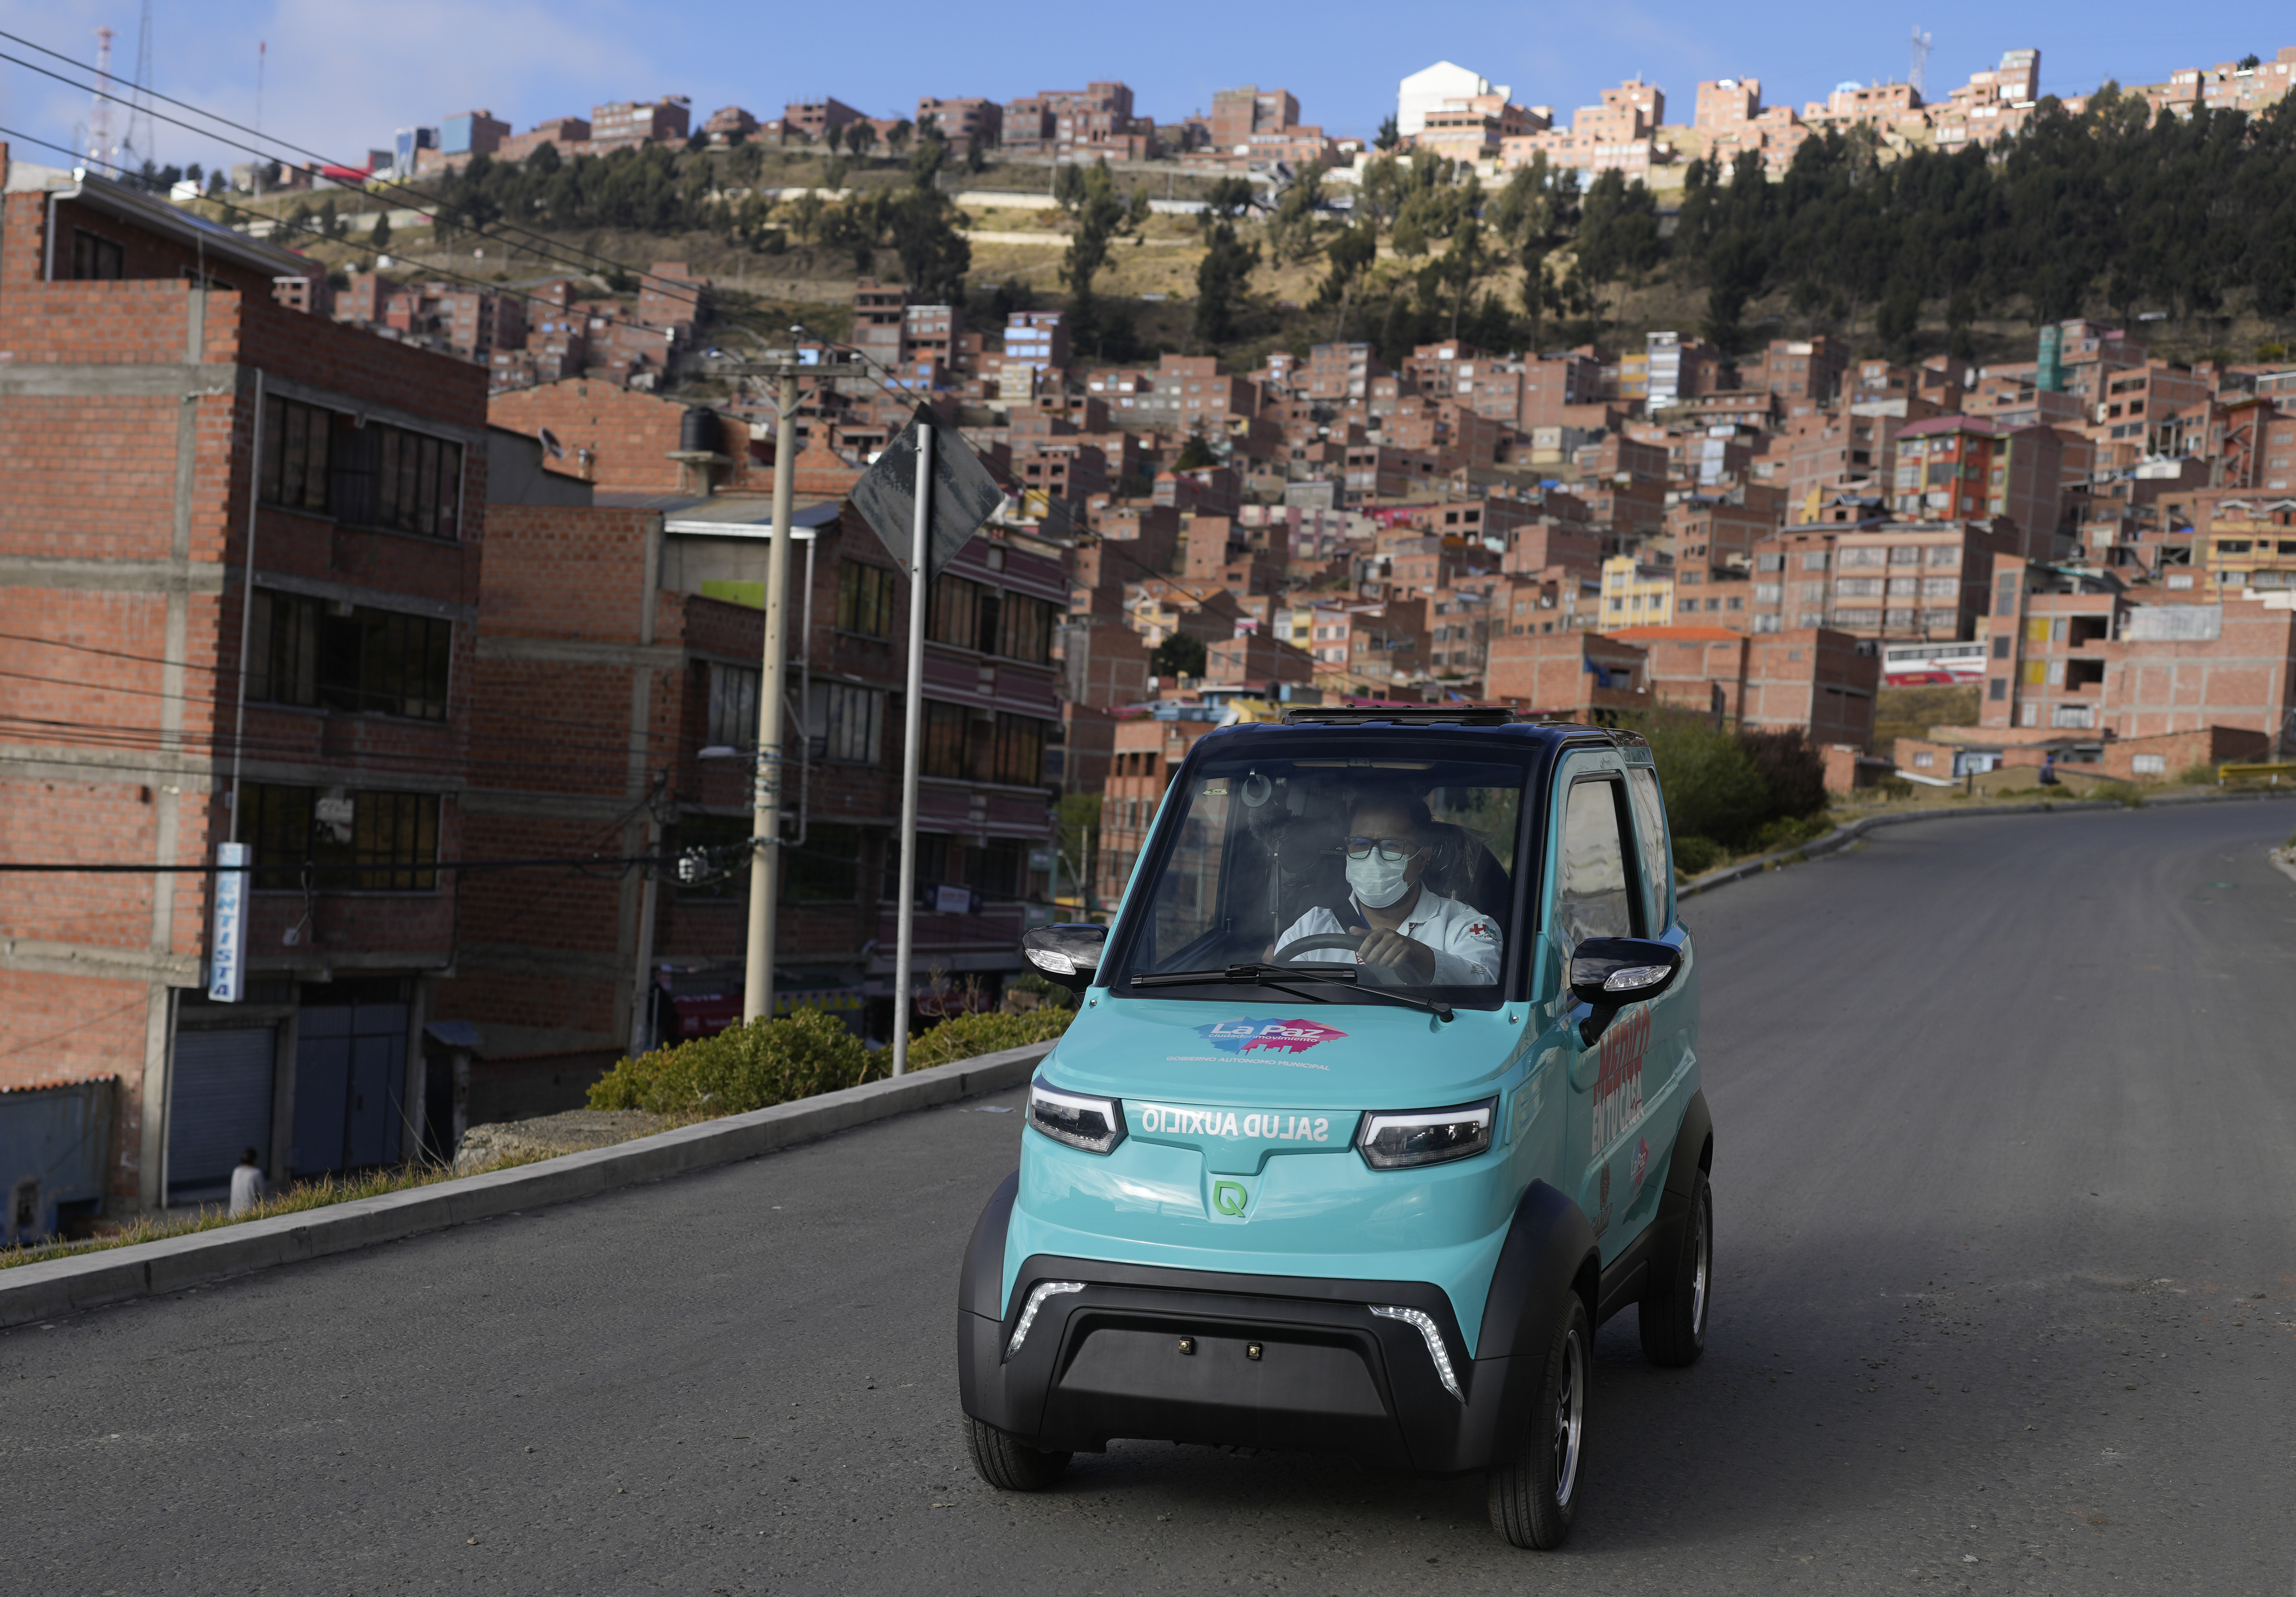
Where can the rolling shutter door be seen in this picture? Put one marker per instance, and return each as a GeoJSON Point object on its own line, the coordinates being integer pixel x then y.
{"type": "Point", "coordinates": [220, 1107]}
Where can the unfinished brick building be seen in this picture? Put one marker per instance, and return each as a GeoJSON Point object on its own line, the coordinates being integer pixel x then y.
{"type": "Point", "coordinates": [144, 350]}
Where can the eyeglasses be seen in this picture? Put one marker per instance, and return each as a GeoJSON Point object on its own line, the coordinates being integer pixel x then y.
{"type": "Point", "coordinates": [1390, 849]}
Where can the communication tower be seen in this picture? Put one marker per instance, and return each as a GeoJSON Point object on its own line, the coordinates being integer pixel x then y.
{"type": "Point", "coordinates": [102, 151]}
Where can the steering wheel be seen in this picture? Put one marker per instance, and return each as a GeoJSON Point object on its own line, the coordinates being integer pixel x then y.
{"type": "Point", "coordinates": [1322, 940]}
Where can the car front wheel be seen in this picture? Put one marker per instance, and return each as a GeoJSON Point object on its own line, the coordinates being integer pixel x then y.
{"type": "Point", "coordinates": [1535, 1499]}
{"type": "Point", "coordinates": [1007, 1465]}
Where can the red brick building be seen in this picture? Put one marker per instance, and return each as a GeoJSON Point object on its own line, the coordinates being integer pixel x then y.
{"type": "Point", "coordinates": [145, 352]}
{"type": "Point", "coordinates": [1576, 676]}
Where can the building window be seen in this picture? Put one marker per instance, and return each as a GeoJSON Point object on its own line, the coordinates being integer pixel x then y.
{"type": "Point", "coordinates": [1869, 556]}
{"type": "Point", "coordinates": [2148, 765]}
{"type": "Point", "coordinates": [374, 475]}
{"type": "Point", "coordinates": [1944, 555]}
{"type": "Point", "coordinates": [732, 706]}
{"type": "Point", "coordinates": [1019, 750]}
{"type": "Point", "coordinates": [963, 613]}
{"type": "Point", "coordinates": [1026, 629]}
{"type": "Point", "coordinates": [944, 739]}
{"type": "Point", "coordinates": [2078, 716]}
{"type": "Point", "coordinates": [361, 842]}
{"type": "Point", "coordinates": [1857, 588]}
{"type": "Point", "coordinates": [933, 863]}
{"type": "Point", "coordinates": [308, 652]}
{"type": "Point", "coordinates": [2029, 715]}
{"type": "Point", "coordinates": [823, 869]}
{"type": "Point", "coordinates": [865, 598]}
{"type": "Point", "coordinates": [1904, 554]}
{"type": "Point", "coordinates": [997, 870]}
{"type": "Point", "coordinates": [95, 259]}
{"type": "Point", "coordinates": [850, 721]}
{"type": "Point", "coordinates": [1997, 689]}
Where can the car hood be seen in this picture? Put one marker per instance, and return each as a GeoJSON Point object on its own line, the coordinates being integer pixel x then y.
{"type": "Point", "coordinates": [1292, 1054]}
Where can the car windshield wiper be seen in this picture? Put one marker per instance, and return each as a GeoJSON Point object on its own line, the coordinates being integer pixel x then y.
{"type": "Point", "coordinates": [1266, 975]}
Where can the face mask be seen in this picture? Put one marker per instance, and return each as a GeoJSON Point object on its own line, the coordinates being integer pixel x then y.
{"type": "Point", "coordinates": [1379, 882]}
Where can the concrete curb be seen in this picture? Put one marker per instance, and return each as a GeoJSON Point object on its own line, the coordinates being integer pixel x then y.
{"type": "Point", "coordinates": [30, 1292]}
{"type": "Point", "coordinates": [1841, 837]}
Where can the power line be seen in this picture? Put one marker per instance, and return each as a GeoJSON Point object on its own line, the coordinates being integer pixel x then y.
{"type": "Point", "coordinates": [253, 149]}
{"type": "Point", "coordinates": [154, 659]}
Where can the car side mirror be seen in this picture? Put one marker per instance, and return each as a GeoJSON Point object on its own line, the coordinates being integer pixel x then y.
{"type": "Point", "coordinates": [1611, 972]}
{"type": "Point", "coordinates": [1068, 953]}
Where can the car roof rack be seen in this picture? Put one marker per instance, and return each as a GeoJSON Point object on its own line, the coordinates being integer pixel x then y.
{"type": "Point", "coordinates": [1401, 715]}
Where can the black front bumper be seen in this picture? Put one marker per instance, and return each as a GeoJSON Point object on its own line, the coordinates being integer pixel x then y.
{"type": "Point", "coordinates": [1329, 1376]}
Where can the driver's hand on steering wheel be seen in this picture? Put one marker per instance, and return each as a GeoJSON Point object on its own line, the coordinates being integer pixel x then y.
{"type": "Point", "coordinates": [1394, 951]}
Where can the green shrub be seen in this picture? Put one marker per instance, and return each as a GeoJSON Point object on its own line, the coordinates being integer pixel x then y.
{"type": "Point", "coordinates": [962, 1037]}
{"type": "Point", "coordinates": [1791, 767]}
{"type": "Point", "coordinates": [765, 1062]}
{"type": "Point", "coordinates": [2200, 774]}
{"type": "Point", "coordinates": [1788, 831]}
{"type": "Point", "coordinates": [1713, 789]}
{"type": "Point", "coordinates": [1695, 857]}
{"type": "Point", "coordinates": [1049, 992]}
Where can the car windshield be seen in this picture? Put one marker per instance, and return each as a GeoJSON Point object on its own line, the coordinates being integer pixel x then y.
{"type": "Point", "coordinates": [1391, 872]}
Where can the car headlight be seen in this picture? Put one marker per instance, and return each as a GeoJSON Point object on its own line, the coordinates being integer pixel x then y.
{"type": "Point", "coordinates": [1094, 1125]}
{"type": "Point", "coordinates": [1404, 1138]}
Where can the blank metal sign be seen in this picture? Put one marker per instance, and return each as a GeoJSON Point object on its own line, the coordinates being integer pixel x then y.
{"type": "Point", "coordinates": [964, 493]}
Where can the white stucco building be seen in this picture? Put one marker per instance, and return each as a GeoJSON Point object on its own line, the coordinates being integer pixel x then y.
{"type": "Point", "coordinates": [1426, 90]}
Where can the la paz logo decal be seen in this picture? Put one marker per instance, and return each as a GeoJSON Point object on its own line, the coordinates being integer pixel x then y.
{"type": "Point", "coordinates": [1275, 1036]}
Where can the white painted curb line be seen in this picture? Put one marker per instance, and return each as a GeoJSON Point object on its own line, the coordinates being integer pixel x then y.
{"type": "Point", "coordinates": [29, 1292]}
{"type": "Point", "coordinates": [1841, 837]}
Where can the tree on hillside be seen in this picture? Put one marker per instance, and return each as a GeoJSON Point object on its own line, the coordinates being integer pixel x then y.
{"type": "Point", "coordinates": [1618, 231]}
{"type": "Point", "coordinates": [860, 138]}
{"type": "Point", "coordinates": [1350, 256]}
{"type": "Point", "coordinates": [1228, 263]}
{"type": "Point", "coordinates": [1178, 655]}
{"type": "Point", "coordinates": [1291, 230]}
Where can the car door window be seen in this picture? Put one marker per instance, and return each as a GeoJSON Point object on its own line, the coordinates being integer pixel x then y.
{"type": "Point", "coordinates": [1591, 899]}
{"type": "Point", "coordinates": [1657, 859]}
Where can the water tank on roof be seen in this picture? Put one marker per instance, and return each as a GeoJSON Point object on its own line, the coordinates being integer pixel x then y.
{"type": "Point", "coordinates": [697, 431]}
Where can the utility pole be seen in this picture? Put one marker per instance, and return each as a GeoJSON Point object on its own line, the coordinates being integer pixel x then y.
{"type": "Point", "coordinates": [912, 739]}
{"type": "Point", "coordinates": [765, 835]}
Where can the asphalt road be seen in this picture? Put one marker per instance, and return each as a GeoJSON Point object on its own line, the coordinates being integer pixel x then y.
{"type": "Point", "coordinates": [2004, 1114]}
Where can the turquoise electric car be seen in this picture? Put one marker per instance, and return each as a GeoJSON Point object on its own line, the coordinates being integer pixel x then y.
{"type": "Point", "coordinates": [1382, 1094]}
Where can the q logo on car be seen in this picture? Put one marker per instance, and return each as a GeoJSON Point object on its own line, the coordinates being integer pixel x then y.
{"type": "Point", "coordinates": [1228, 1197]}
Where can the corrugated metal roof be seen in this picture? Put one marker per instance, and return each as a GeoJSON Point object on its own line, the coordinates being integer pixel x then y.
{"type": "Point", "coordinates": [50, 1087]}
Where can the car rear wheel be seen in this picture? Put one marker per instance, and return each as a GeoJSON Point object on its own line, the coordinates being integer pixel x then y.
{"type": "Point", "coordinates": [1009, 1465]}
{"type": "Point", "coordinates": [1535, 1499]}
{"type": "Point", "coordinates": [1673, 1312]}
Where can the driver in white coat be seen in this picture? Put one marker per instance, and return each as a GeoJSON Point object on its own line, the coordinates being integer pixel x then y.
{"type": "Point", "coordinates": [1410, 934]}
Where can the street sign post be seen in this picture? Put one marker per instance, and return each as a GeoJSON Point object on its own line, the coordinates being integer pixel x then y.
{"type": "Point", "coordinates": [925, 498]}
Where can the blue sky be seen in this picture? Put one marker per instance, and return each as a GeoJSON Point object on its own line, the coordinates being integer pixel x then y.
{"type": "Point", "coordinates": [340, 77]}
